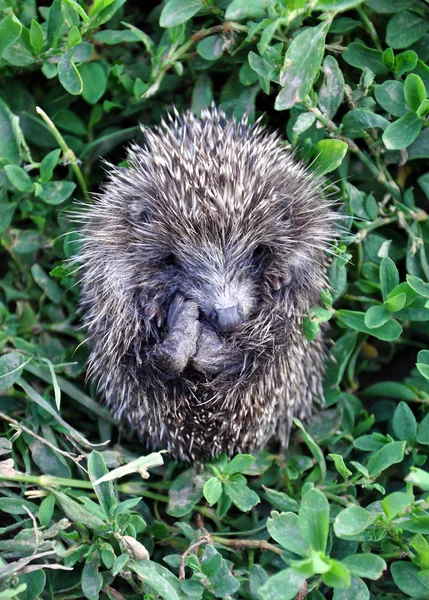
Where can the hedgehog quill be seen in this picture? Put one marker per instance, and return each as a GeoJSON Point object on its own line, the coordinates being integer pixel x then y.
{"type": "Point", "coordinates": [199, 262]}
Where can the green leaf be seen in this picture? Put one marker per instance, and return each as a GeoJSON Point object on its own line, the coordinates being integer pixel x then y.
{"type": "Point", "coordinates": [337, 5]}
{"type": "Point", "coordinates": [405, 62]}
{"type": "Point", "coordinates": [314, 519]}
{"type": "Point", "coordinates": [238, 10]}
{"type": "Point", "coordinates": [36, 36]}
{"type": "Point", "coordinates": [35, 582]}
{"type": "Point", "coordinates": [394, 504]}
{"type": "Point", "coordinates": [376, 316]}
{"type": "Point", "coordinates": [112, 37]}
{"type": "Point", "coordinates": [184, 494]}
{"type": "Point", "coordinates": [360, 56]}
{"type": "Point", "coordinates": [176, 12]}
{"type": "Point", "coordinates": [420, 147]}
{"type": "Point", "coordinates": [202, 94]}
{"type": "Point", "coordinates": [68, 74]}
{"type": "Point", "coordinates": [352, 521]}
{"type": "Point", "coordinates": [238, 464]}
{"type": "Point", "coordinates": [19, 178]}
{"type": "Point", "coordinates": [104, 491]}
{"type": "Point", "coordinates": [390, 389]}
{"type": "Point", "coordinates": [48, 165]}
{"type": "Point", "coordinates": [262, 66]}
{"type": "Point", "coordinates": [338, 576]}
{"type": "Point", "coordinates": [402, 132]}
{"type": "Point", "coordinates": [301, 65]}
{"type": "Point", "coordinates": [56, 23]}
{"type": "Point", "coordinates": [92, 581]}
{"type": "Point", "coordinates": [414, 91]}
{"type": "Point", "coordinates": [51, 289]}
{"type": "Point", "coordinates": [396, 303]}
{"type": "Point", "coordinates": [10, 135]}
{"type": "Point", "coordinates": [423, 109]}
{"type": "Point", "coordinates": [358, 120]}
{"type": "Point", "coordinates": [344, 25]}
{"type": "Point", "coordinates": [321, 314]}
{"type": "Point", "coordinates": [161, 580]}
{"type": "Point", "coordinates": [76, 512]}
{"type": "Point", "coordinates": [46, 510]}
{"type": "Point", "coordinates": [405, 28]}
{"type": "Point", "coordinates": [11, 366]}
{"type": "Point", "coordinates": [340, 465]}
{"type": "Point", "coordinates": [356, 320]}
{"type": "Point", "coordinates": [366, 565]}
{"type": "Point", "coordinates": [94, 80]}
{"type": "Point", "coordinates": [11, 593]}
{"type": "Point", "coordinates": [331, 93]}
{"type": "Point", "coordinates": [74, 37]}
{"type": "Point", "coordinates": [284, 585]}
{"type": "Point", "coordinates": [212, 490]}
{"type": "Point", "coordinates": [420, 544]}
{"type": "Point", "coordinates": [119, 563]}
{"type": "Point", "coordinates": [7, 210]}
{"type": "Point", "coordinates": [387, 456]}
{"type": "Point", "coordinates": [303, 122]}
{"type": "Point", "coordinates": [418, 477]}
{"type": "Point", "coordinates": [357, 591]}
{"type": "Point", "coordinates": [106, 10]}
{"type": "Point", "coordinates": [423, 363]}
{"type": "Point", "coordinates": [387, 7]}
{"type": "Point", "coordinates": [10, 30]}
{"type": "Point", "coordinates": [390, 96]}
{"type": "Point", "coordinates": [404, 423]}
{"type": "Point", "coordinates": [78, 9]}
{"type": "Point", "coordinates": [215, 568]}
{"type": "Point", "coordinates": [407, 577]}
{"type": "Point", "coordinates": [329, 155]}
{"type": "Point", "coordinates": [389, 58]}
{"type": "Point", "coordinates": [418, 285]}
{"type": "Point", "coordinates": [284, 529]}
{"type": "Point", "coordinates": [55, 192]}
{"type": "Point", "coordinates": [243, 497]}
{"type": "Point", "coordinates": [211, 47]}
{"type": "Point", "coordinates": [17, 506]}
{"type": "Point", "coordinates": [310, 328]}
{"type": "Point", "coordinates": [280, 500]}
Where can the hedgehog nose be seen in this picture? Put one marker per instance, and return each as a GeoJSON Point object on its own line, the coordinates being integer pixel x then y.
{"type": "Point", "coordinates": [227, 319]}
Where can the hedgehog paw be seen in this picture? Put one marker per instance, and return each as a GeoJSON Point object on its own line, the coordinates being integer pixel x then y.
{"type": "Point", "coordinates": [213, 355]}
{"type": "Point", "coordinates": [180, 343]}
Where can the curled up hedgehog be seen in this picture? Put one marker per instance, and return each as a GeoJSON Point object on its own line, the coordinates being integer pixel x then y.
{"type": "Point", "coordinates": [199, 262]}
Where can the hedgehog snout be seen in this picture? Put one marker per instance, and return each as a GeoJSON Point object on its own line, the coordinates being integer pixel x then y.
{"type": "Point", "coordinates": [227, 319]}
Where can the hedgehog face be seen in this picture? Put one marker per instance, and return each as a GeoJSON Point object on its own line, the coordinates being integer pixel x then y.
{"type": "Point", "coordinates": [227, 291]}
{"type": "Point", "coordinates": [227, 276]}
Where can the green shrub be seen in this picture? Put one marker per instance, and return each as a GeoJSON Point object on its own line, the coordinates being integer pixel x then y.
{"type": "Point", "coordinates": [345, 515]}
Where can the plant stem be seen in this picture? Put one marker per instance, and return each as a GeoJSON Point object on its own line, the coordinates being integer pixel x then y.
{"type": "Point", "coordinates": [244, 544]}
{"type": "Point", "coordinates": [369, 27]}
{"type": "Point", "coordinates": [48, 480]}
{"type": "Point", "coordinates": [68, 154]}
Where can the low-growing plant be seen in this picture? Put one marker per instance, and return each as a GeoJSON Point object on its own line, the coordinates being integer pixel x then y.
{"type": "Point", "coordinates": [345, 513]}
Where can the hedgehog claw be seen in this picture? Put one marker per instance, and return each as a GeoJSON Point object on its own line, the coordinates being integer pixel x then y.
{"type": "Point", "coordinates": [157, 315]}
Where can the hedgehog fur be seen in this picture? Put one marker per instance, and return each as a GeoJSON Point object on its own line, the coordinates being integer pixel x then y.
{"type": "Point", "coordinates": [199, 262]}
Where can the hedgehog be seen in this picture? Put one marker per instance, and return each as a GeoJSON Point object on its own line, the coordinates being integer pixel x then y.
{"type": "Point", "coordinates": [199, 261]}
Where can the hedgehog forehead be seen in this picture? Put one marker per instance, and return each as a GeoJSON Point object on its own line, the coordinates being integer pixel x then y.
{"type": "Point", "coordinates": [210, 165]}
{"type": "Point", "coordinates": [213, 226]}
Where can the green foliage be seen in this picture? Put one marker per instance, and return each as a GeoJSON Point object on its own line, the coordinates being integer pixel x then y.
{"type": "Point", "coordinates": [345, 514]}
